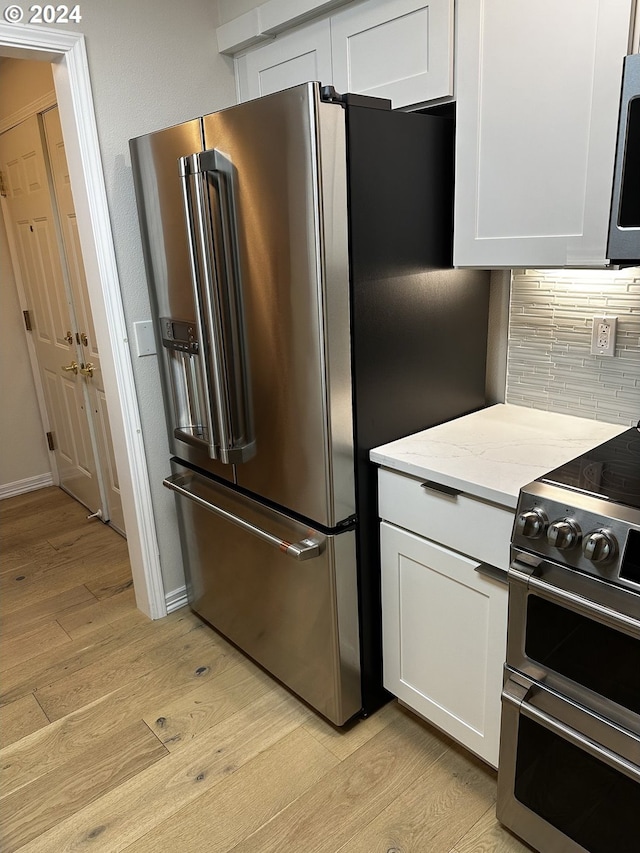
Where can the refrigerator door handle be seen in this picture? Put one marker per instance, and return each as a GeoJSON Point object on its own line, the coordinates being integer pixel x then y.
{"type": "Point", "coordinates": [217, 287]}
{"type": "Point", "coordinates": [306, 549]}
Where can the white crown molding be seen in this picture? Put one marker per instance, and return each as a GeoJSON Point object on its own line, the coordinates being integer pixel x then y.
{"type": "Point", "coordinates": [67, 52]}
{"type": "Point", "coordinates": [267, 20]}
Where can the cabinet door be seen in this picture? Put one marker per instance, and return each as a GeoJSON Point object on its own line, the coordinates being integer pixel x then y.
{"type": "Point", "coordinates": [444, 638]}
{"type": "Point", "coordinates": [298, 56]}
{"type": "Point", "coordinates": [399, 49]}
{"type": "Point", "coordinates": [538, 88]}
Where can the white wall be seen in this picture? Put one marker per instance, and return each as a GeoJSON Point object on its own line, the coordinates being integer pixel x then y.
{"type": "Point", "coordinates": [152, 63]}
{"type": "Point", "coordinates": [22, 82]}
{"type": "Point", "coordinates": [24, 456]}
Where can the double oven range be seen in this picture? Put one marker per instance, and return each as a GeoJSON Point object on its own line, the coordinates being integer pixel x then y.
{"type": "Point", "coordinates": [569, 775]}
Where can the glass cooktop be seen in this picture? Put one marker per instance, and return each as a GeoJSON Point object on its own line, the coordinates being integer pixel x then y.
{"type": "Point", "coordinates": [610, 471]}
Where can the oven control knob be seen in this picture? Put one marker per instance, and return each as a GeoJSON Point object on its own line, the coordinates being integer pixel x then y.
{"type": "Point", "coordinates": [599, 546]}
{"type": "Point", "coordinates": [563, 534]}
{"type": "Point", "coordinates": [531, 524]}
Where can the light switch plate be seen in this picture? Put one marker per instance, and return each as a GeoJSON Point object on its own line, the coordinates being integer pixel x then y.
{"type": "Point", "coordinates": [145, 341]}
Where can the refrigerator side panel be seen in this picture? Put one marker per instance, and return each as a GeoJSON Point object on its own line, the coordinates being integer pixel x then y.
{"type": "Point", "coordinates": [159, 195]}
{"type": "Point", "coordinates": [297, 618]}
{"type": "Point", "coordinates": [419, 327]}
{"type": "Point", "coordinates": [291, 279]}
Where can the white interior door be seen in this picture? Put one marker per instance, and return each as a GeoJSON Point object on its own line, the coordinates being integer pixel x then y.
{"type": "Point", "coordinates": [84, 332]}
{"type": "Point", "coordinates": [34, 227]}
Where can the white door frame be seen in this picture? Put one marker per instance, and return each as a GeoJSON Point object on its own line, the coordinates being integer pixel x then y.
{"type": "Point", "coordinates": [67, 53]}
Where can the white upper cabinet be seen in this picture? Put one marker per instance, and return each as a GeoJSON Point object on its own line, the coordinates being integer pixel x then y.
{"type": "Point", "coordinates": [295, 57]}
{"type": "Point", "coordinates": [538, 88]}
{"type": "Point", "coordinates": [396, 49]}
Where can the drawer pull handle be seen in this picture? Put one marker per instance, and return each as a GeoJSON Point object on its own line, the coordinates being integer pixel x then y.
{"type": "Point", "coordinates": [493, 572]}
{"type": "Point", "coordinates": [440, 489]}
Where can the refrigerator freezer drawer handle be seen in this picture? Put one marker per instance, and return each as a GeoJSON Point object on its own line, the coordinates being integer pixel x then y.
{"type": "Point", "coordinates": [306, 549]}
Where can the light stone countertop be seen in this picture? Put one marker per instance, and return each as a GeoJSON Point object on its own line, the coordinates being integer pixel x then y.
{"type": "Point", "coordinates": [492, 453]}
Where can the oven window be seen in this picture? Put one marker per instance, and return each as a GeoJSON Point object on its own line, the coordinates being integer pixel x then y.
{"type": "Point", "coordinates": [583, 798]}
{"type": "Point", "coordinates": [600, 658]}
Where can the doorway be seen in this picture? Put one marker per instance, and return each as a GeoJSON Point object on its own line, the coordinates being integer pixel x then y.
{"type": "Point", "coordinates": [40, 218]}
{"type": "Point", "coordinates": [66, 52]}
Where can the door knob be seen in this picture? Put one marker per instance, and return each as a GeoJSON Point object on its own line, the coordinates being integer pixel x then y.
{"type": "Point", "coordinates": [69, 338]}
{"type": "Point", "coordinates": [87, 369]}
{"type": "Point", "coordinates": [71, 368]}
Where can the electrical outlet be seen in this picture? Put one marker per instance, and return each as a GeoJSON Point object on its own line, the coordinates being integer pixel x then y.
{"type": "Point", "coordinates": [603, 336]}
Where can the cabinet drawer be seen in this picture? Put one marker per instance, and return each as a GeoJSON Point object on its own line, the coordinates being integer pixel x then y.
{"type": "Point", "coordinates": [466, 524]}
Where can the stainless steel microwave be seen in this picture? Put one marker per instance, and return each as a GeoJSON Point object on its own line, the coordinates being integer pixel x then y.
{"type": "Point", "coordinates": [624, 225]}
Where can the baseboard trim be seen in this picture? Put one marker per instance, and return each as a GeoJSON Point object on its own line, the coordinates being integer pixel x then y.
{"type": "Point", "coordinates": [176, 599]}
{"type": "Point", "coordinates": [29, 484]}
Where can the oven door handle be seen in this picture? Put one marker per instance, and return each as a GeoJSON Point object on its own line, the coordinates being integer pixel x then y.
{"type": "Point", "coordinates": [514, 696]}
{"type": "Point", "coordinates": [522, 573]}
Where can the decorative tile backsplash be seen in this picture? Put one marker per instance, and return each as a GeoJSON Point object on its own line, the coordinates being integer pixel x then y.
{"type": "Point", "coordinates": [550, 365]}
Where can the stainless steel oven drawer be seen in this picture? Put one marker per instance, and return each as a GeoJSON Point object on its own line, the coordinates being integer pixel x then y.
{"type": "Point", "coordinates": [569, 780]}
{"type": "Point", "coordinates": [578, 635]}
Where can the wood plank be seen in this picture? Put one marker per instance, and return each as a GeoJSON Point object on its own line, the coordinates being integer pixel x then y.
{"type": "Point", "coordinates": [489, 836]}
{"type": "Point", "coordinates": [248, 799]}
{"type": "Point", "coordinates": [45, 523]}
{"type": "Point", "coordinates": [39, 583]}
{"type": "Point", "coordinates": [31, 574]}
{"type": "Point", "coordinates": [19, 719]}
{"type": "Point", "coordinates": [88, 541]}
{"type": "Point", "coordinates": [19, 505]}
{"type": "Point", "coordinates": [177, 723]}
{"type": "Point", "coordinates": [47, 607]}
{"type": "Point", "coordinates": [81, 654]}
{"type": "Point", "coordinates": [82, 621]}
{"type": "Point", "coordinates": [435, 811]}
{"type": "Point", "coordinates": [327, 816]}
{"type": "Point", "coordinates": [123, 663]}
{"type": "Point", "coordinates": [88, 554]}
{"type": "Point", "coordinates": [342, 742]}
{"type": "Point", "coordinates": [44, 638]}
{"type": "Point", "coordinates": [113, 582]}
{"type": "Point", "coordinates": [125, 814]}
{"type": "Point", "coordinates": [28, 554]}
{"type": "Point", "coordinates": [40, 805]}
{"type": "Point", "coordinates": [73, 734]}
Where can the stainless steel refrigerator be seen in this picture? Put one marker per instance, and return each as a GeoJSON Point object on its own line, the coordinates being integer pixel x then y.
{"type": "Point", "coordinates": [298, 253]}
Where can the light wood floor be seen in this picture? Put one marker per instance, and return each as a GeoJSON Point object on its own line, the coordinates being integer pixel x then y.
{"type": "Point", "coordinates": [119, 733]}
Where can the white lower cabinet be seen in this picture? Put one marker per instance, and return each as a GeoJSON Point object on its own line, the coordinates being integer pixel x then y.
{"type": "Point", "coordinates": [444, 636]}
